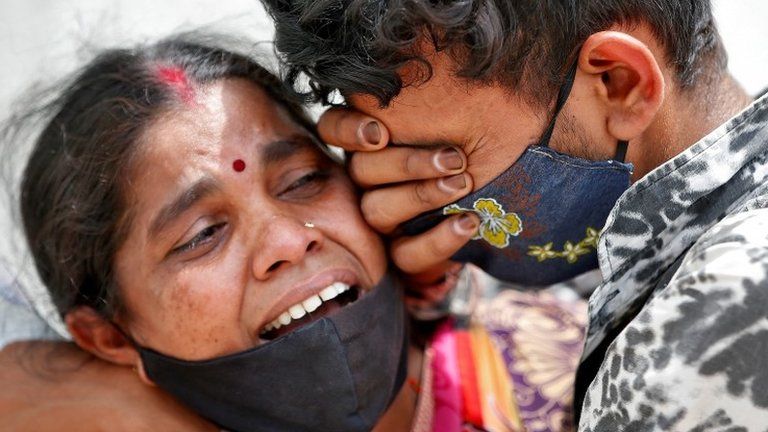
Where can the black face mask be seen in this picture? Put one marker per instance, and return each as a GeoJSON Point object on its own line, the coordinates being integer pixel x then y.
{"type": "Point", "coordinates": [338, 374]}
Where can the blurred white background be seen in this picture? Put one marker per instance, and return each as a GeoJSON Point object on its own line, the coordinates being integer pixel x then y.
{"type": "Point", "coordinates": [43, 40]}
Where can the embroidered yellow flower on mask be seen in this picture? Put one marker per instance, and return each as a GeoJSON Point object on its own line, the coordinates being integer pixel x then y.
{"type": "Point", "coordinates": [571, 252]}
{"type": "Point", "coordinates": [496, 225]}
{"type": "Point", "coordinates": [591, 239]}
{"type": "Point", "coordinates": [543, 253]}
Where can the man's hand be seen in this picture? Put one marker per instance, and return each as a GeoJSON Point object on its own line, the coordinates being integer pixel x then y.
{"type": "Point", "coordinates": [403, 182]}
{"type": "Point", "coordinates": [55, 386]}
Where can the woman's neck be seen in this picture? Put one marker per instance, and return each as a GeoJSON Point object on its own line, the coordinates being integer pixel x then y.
{"type": "Point", "coordinates": [401, 413]}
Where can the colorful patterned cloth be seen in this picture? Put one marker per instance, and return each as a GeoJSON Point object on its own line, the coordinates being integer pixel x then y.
{"type": "Point", "coordinates": [512, 369]}
{"type": "Point", "coordinates": [541, 338]}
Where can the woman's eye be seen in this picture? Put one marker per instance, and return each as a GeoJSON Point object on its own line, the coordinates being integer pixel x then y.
{"type": "Point", "coordinates": [201, 238]}
{"type": "Point", "coordinates": [307, 184]}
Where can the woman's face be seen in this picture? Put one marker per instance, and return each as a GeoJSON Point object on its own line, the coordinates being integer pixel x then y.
{"type": "Point", "coordinates": [216, 253]}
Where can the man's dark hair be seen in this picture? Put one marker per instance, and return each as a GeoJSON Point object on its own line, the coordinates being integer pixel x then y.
{"type": "Point", "coordinates": [358, 46]}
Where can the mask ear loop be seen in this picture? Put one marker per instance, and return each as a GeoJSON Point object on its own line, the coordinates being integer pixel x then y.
{"type": "Point", "coordinates": [562, 97]}
{"type": "Point", "coordinates": [125, 335]}
{"type": "Point", "coordinates": [621, 151]}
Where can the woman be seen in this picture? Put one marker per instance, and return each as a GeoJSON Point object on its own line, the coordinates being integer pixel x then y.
{"type": "Point", "coordinates": [189, 224]}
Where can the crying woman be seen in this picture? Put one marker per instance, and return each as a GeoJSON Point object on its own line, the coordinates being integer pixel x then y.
{"type": "Point", "coordinates": [189, 224]}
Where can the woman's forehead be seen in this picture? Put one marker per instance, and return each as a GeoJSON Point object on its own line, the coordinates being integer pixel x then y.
{"type": "Point", "coordinates": [230, 138]}
{"type": "Point", "coordinates": [231, 118]}
{"type": "Point", "coordinates": [233, 132]}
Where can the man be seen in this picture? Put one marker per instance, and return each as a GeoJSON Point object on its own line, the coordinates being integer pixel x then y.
{"type": "Point", "coordinates": [677, 329]}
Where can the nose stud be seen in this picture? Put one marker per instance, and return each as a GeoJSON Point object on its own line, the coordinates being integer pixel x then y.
{"type": "Point", "coordinates": [309, 224]}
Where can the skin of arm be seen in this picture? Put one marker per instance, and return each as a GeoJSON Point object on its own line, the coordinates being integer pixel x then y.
{"type": "Point", "coordinates": [55, 386]}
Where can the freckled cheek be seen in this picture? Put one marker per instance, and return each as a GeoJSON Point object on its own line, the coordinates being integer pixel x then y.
{"type": "Point", "coordinates": [204, 313]}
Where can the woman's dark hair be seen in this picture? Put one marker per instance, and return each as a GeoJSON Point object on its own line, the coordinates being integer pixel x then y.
{"type": "Point", "coordinates": [359, 46]}
{"type": "Point", "coordinates": [72, 195]}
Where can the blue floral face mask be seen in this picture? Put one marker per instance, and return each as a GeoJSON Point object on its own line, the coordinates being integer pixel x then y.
{"type": "Point", "coordinates": [540, 219]}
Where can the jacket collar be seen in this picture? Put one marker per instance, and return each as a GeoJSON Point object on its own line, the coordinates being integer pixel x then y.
{"type": "Point", "coordinates": [662, 215]}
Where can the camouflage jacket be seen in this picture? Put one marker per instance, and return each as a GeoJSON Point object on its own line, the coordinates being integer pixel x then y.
{"type": "Point", "coordinates": [677, 337]}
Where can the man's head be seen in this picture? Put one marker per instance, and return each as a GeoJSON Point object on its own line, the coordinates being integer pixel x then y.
{"type": "Point", "coordinates": [483, 75]}
{"type": "Point", "coordinates": [361, 46]}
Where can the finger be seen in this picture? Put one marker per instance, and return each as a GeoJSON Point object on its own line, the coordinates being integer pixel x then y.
{"type": "Point", "coordinates": [386, 208]}
{"type": "Point", "coordinates": [425, 251]}
{"type": "Point", "coordinates": [444, 271]}
{"type": "Point", "coordinates": [432, 284]}
{"type": "Point", "coordinates": [436, 294]}
{"type": "Point", "coordinates": [400, 164]}
{"type": "Point", "coordinates": [352, 130]}
{"type": "Point", "coordinates": [417, 303]}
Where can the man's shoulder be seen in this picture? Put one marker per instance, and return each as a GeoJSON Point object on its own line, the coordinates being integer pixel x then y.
{"type": "Point", "coordinates": [740, 238]}
{"type": "Point", "coordinates": [729, 260]}
{"type": "Point", "coordinates": [692, 356]}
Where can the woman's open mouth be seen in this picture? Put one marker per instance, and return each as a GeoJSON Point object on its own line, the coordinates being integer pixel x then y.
{"type": "Point", "coordinates": [331, 298]}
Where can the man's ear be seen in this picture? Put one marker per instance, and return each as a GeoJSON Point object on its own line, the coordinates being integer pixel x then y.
{"type": "Point", "coordinates": [630, 81]}
{"type": "Point", "coordinates": [102, 338]}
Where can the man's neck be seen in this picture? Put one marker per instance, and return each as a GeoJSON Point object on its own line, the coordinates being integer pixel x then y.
{"type": "Point", "coordinates": [685, 119]}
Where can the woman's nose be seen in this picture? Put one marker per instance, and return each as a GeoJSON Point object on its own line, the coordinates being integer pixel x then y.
{"type": "Point", "coordinates": [285, 242]}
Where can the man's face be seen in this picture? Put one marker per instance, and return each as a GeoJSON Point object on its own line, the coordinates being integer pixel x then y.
{"type": "Point", "coordinates": [490, 123]}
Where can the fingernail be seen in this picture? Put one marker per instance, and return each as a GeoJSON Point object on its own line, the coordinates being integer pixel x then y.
{"type": "Point", "coordinates": [465, 225]}
{"type": "Point", "coordinates": [372, 133]}
{"type": "Point", "coordinates": [452, 184]}
{"type": "Point", "coordinates": [448, 159]}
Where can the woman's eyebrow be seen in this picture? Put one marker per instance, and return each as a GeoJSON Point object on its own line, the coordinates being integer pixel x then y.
{"type": "Point", "coordinates": [181, 203]}
{"type": "Point", "coordinates": [280, 150]}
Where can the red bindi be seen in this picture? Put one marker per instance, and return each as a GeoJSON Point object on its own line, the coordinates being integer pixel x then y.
{"type": "Point", "coordinates": [238, 165]}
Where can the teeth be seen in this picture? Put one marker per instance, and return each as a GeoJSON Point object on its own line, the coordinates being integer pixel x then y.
{"type": "Point", "coordinates": [297, 311]}
{"type": "Point", "coordinates": [328, 293]}
{"type": "Point", "coordinates": [309, 305]}
{"type": "Point", "coordinates": [340, 287]}
{"type": "Point", "coordinates": [284, 318]}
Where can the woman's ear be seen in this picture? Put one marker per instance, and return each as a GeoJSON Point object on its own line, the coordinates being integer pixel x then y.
{"type": "Point", "coordinates": [101, 337]}
{"type": "Point", "coordinates": [630, 82]}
